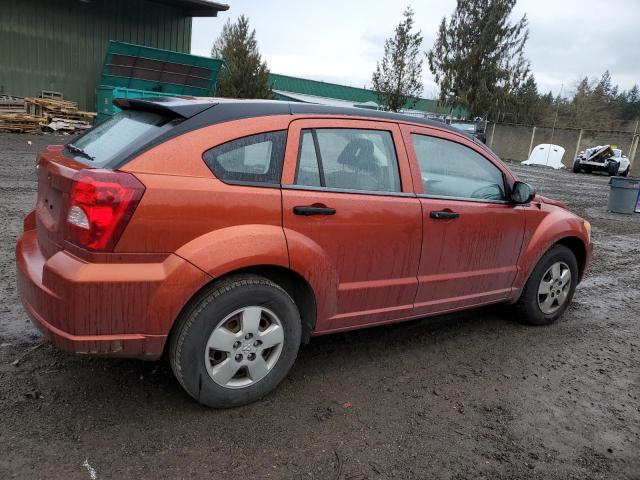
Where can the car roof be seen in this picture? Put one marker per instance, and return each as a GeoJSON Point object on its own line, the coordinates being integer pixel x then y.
{"type": "Point", "coordinates": [203, 111]}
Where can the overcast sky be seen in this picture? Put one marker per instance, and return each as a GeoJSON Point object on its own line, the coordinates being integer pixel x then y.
{"type": "Point", "coordinates": [341, 40]}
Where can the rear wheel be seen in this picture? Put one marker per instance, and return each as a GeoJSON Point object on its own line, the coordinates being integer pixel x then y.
{"type": "Point", "coordinates": [613, 169]}
{"type": "Point", "coordinates": [550, 287]}
{"type": "Point", "coordinates": [236, 342]}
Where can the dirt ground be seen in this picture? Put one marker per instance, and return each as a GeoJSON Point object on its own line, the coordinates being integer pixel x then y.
{"type": "Point", "coordinates": [472, 395]}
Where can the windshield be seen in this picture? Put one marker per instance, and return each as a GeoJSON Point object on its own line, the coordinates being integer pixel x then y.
{"type": "Point", "coordinates": [467, 127]}
{"type": "Point", "coordinates": [123, 132]}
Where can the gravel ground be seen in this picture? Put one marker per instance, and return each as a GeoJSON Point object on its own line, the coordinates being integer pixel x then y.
{"type": "Point", "coordinates": [472, 395]}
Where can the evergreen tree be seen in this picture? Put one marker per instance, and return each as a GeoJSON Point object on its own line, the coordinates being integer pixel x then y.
{"type": "Point", "coordinates": [397, 78]}
{"type": "Point", "coordinates": [478, 57]}
{"type": "Point", "coordinates": [527, 102]}
{"type": "Point", "coordinates": [246, 75]}
{"type": "Point", "coordinates": [631, 103]}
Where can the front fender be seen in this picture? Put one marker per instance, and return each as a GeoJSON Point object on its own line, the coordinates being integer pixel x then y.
{"type": "Point", "coordinates": [545, 227]}
{"type": "Point", "coordinates": [232, 248]}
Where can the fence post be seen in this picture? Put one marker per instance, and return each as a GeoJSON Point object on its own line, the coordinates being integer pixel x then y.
{"type": "Point", "coordinates": [578, 144]}
{"type": "Point", "coordinates": [632, 153]}
{"type": "Point", "coordinates": [533, 134]}
{"type": "Point", "coordinates": [493, 131]}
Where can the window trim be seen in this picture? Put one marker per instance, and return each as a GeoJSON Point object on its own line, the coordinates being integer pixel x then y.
{"type": "Point", "coordinates": [316, 143]}
{"type": "Point", "coordinates": [345, 190]}
{"type": "Point", "coordinates": [253, 183]}
{"type": "Point", "coordinates": [505, 183]}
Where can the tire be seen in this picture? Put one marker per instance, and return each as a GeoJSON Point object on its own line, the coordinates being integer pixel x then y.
{"type": "Point", "coordinates": [576, 167]}
{"type": "Point", "coordinates": [533, 307]}
{"type": "Point", "coordinates": [234, 311]}
{"type": "Point", "coordinates": [625, 173]}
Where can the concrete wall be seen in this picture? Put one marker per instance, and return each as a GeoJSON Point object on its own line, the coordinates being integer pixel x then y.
{"type": "Point", "coordinates": [512, 142]}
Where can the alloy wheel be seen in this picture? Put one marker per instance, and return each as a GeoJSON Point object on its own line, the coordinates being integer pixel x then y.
{"type": "Point", "coordinates": [554, 288]}
{"type": "Point", "coordinates": [244, 347]}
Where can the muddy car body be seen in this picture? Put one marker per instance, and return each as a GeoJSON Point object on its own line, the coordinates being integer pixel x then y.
{"type": "Point", "coordinates": [226, 233]}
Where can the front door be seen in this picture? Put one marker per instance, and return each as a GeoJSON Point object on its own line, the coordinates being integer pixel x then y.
{"type": "Point", "coordinates": [472, 234]}
{"type": "Point", "coordinates": [351, 220]}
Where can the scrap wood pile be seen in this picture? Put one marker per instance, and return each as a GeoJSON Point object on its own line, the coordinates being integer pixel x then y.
{"type": "Point", "coordinates": [61, 115]}
{"type": "Point", "coordinates": [32, 115]}
{"type": "Point", "coordinates": [14, 118]}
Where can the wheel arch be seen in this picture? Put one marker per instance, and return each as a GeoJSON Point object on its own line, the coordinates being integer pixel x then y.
{"type": "Point", "coordinates": [577, 246]}
{"type": "Point", "coordinates": [290, 281]}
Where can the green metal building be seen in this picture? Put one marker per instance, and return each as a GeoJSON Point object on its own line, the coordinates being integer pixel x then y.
{"type": "Point", "coordinates": [313, 91]}
{"type": "Point", "coordinates": [60, 45]}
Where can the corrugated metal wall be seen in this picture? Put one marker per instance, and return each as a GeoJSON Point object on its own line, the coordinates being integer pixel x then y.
{"type": "Point", "coordinates": [60, 44]}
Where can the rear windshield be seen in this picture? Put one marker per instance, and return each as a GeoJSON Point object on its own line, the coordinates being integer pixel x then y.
{"type": "Point", "coordinates": [105, 145]}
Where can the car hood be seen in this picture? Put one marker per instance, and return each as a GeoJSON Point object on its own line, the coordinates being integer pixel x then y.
{"type": "Point", "coordinates": [551, 201]}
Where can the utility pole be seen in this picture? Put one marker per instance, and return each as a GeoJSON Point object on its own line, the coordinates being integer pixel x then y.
{"type": "Point", "coordinates": [555, 119]}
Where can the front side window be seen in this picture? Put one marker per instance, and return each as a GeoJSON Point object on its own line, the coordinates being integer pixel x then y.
{"type": "Point", "coordinates": [449, 169]}
{"type": "Point", "coordinates": [348, 159]}
{"type": "Point", "coordinates": [254, 159]}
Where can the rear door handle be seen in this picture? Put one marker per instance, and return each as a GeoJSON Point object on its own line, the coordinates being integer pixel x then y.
{"type": "Point", "coordinates": [444, 215]}
{"type": "Point", "coordinates": [308, 210]}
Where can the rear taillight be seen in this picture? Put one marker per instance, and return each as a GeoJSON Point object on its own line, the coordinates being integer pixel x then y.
{"type": "Point", "coordinates": [100, 206]}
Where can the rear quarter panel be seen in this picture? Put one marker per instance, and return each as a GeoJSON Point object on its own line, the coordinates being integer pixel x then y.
{"type": "Point", "coordinates": [186, 210]}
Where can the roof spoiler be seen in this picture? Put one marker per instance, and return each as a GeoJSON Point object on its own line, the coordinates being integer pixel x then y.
{"type": "Point", "coordinates": [185, 107]}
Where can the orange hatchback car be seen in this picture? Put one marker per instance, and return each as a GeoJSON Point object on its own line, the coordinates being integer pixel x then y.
{"type": "Point", "coordinates": [226, 233]}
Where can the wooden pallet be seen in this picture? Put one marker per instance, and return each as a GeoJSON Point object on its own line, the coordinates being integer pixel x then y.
{"type": "Point", "coordinates": [21, 123]}
{"type": "Point", "coordinates": [11, 104]}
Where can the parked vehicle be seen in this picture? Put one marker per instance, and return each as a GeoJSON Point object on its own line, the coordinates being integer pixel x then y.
{"type": "Point", "coordinates": [602, 158]}
{"type": "Point", "coordinates": [472, 128]}
{"type": "Point", "coordinates": [226, 233]}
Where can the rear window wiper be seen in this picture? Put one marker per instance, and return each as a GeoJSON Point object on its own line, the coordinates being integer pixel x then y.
{"type": "Point", "coordinates": [73, 148]}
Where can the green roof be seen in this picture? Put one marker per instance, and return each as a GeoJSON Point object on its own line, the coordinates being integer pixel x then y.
{"type": "Point", "coordinates": [305, 86]}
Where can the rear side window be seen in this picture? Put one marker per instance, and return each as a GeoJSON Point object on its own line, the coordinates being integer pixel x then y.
{"type": "Point", "coordinates": [348, 159]}
{"type": "Point", "coordinates": [105, 145]}
{"type": "Point", "coordinates": [255, 160]}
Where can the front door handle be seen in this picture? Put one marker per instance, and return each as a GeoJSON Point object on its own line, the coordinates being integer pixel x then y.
{"type": "Point", "coordinates": [444, 215]}
{"type": "Point", "coordinates": [308, 210]}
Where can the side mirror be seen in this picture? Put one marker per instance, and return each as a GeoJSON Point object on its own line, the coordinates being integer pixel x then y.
{"type": "Point", "coordinates": [522, 193]}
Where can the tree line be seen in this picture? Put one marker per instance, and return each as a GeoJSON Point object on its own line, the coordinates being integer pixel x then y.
{"type": "Point", "coordinates": [477, 61]}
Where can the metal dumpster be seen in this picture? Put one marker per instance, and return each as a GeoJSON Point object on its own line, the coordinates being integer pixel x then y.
{"type": "Point", "coordinates": [136, 71]}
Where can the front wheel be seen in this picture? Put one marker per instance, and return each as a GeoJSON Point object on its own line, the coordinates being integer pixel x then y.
{"type": "Point", "coordinates": [576, 166]}
{"type": "Point", "coordinates": [550, 287]}
{"type": "Point", "coordinates": [236, 342]}
{"type": "Point", "coordinates": [613, 169]}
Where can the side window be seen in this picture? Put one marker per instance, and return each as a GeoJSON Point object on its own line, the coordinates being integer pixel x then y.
{"type": "Point", "coordinates": [348, 159]}
{"type": "Point", "coordinates": [449, 169]}
{"type": "Point", "coordinates": [308, 170]}
{"type": "Point", "coordinates": [254, 159]}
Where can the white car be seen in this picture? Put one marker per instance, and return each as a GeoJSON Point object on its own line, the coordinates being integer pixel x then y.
{"type": "Point", "coordinates": [602, 158]}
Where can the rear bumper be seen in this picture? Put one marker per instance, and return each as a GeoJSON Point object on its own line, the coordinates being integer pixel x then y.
{"type": "Point", "coordinates": [120, 309]}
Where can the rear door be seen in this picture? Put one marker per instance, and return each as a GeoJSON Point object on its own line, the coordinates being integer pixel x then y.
{"type": "Point", "coordinates": [472, 235]}
{"type": "Point", "coordinates": [347, 199]}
